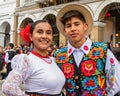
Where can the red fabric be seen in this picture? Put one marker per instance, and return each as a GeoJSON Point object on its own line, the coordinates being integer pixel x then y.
{"type": "Point", "coordinates": [25, 33]}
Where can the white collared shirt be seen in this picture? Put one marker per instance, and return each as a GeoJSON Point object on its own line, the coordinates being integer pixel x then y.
{"type": "Point", "coordinates": [79, 52]}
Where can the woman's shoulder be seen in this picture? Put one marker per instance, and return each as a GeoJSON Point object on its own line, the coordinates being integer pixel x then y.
{"type": "Point", "coordinates": [19, 60]}
{"type": "Point", "coordinates": [19, 56]}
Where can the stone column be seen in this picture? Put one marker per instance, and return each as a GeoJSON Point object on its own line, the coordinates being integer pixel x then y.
{"type": "Point", "coordinates": [12, 36]}
{"type": "Point", "coordinates": [22, 2]}
{"type": "Point", "coordinates": [12, 28]}
{"type": "Point", "coordinates": [13, 32]}
{"type": "Point", "coordinates": [19, 40]}
{"type": "Point", "coordinates": [62, 39]}
{"type": "Point", "coordinates": [97, 32]}
{"type": "Point", "coordinates": [2, 38]}
{"type": "Point", "coordinates": [15, 29]}
{"type": "Point", "coordinates": [18, 3]}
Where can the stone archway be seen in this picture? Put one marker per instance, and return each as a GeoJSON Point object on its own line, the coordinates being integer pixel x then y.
{"type": "Point", "coordinates": [52, 20]}
{"type": "Point", "coordinates": [112, 19]}
{"type": "Point", "coordinates": [5, 32]}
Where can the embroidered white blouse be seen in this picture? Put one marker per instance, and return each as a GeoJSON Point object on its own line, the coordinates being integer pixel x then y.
{"type": "Point", "coordinates": [84, 49]}
{"type": "Point", "coordinates": [36, 74]}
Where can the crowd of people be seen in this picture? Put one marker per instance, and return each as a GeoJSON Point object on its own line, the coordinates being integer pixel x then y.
{"type": "Point", "coordinates": [81, 68]}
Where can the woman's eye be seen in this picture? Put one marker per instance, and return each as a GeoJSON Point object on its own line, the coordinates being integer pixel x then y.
{"type": "Point", "coordinates": [40, 31]}
{"type": "Point", "coordinates": [49, 32]}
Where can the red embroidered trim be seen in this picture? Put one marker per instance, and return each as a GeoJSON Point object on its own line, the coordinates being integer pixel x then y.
{"type": "Point", "coordinates": [44, 58]}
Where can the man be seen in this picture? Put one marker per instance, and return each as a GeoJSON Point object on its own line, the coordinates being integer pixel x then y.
{"type": "Point", "coordinates": [9, 55]}
{"type": "Point", "coordinates": [90, 67]}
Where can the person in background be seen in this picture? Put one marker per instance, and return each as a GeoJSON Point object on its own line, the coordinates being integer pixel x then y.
{"type": "Point", "coordinates": [38, 71]}
{"type": "Point", "coordinates": [54, 48]}
{"type": "Point", "coordinates": [1, 58]}
{"type": "Point", "coordinates": [8, 57]}
{"type": "Point", "coordinates": [49, 50]}
{"type": "Point", "coordinates": [90, 67]}
{"type": "Point", "coordinates": [25, 47]}
{"type": "Point", "coordinates": [2, 63]}
{"type": "Point", "coordinates": [61, 45]}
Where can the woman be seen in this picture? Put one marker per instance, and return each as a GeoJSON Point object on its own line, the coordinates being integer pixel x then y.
{"type": "Point", "coordinates": [37, 71]}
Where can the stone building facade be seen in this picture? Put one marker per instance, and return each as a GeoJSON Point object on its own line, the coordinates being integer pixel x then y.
{"type": "Point", "coordinates": [105, 13]}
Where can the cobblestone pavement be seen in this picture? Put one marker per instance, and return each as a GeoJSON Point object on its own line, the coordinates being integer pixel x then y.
{"type": "Point", "coordinates": [1, 94]}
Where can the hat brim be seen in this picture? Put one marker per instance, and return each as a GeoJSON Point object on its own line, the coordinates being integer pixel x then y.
{"type": "Point", "coordinates": [82, 10]}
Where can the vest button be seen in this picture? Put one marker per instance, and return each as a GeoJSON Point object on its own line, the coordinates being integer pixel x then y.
{"type": "Point", "coordinates": [77, 87]}
{"type": "Point", "coordinates": [76, 77]}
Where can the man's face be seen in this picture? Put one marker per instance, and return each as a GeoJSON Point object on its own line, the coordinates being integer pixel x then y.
{"type": "Point", "coordinates": [75, 31]}
{"type": "Point", "coordinates": [8, 47]}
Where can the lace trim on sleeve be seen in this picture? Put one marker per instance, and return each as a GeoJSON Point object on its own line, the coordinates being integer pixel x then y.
{"type": "Point", "coordinates": [19, 73]}
{"type": "Point", "coordinates": [11, 85]}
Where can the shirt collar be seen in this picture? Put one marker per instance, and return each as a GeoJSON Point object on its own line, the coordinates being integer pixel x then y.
{"type": "Point", "coordinates": [11, 50]}
{"type": "Point", "coordinates": [84, 48]}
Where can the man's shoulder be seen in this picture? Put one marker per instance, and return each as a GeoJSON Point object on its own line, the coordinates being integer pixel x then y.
{"type": "Point", "coordinates": [61, 50]}
{"type": "Point", "coordinates": [100, 44]}
{"type": "Point", "coordinates": [64, 49]}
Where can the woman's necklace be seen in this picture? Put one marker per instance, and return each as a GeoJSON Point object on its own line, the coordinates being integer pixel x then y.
{"type": "Point", "coordinates": [44, 58]}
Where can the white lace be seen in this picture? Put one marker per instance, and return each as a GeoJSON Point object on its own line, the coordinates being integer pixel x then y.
{"type": "Point", "coordinates": [11, 85]}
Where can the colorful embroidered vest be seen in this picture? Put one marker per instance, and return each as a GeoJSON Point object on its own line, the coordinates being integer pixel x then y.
{"type": "Point", "coordinates": [89, 79]}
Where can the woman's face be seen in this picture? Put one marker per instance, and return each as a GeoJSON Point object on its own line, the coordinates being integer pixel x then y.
{"type": "Point", "coordinates": [42, 36]}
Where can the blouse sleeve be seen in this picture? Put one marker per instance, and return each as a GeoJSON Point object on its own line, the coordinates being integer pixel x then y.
{"type": "Point", "coordinates": [112, 74]}
{"type": "Point", "coordinates": [18, 74]}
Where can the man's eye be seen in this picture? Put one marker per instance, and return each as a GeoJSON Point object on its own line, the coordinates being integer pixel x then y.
{"type": "Point", "coordinates": [77, 24]}
{"type": "Point", "coordinates": [67, 26]}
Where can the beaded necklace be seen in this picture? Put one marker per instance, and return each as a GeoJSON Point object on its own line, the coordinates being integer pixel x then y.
{"type": "Point", "coordinates": [44, 58]}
